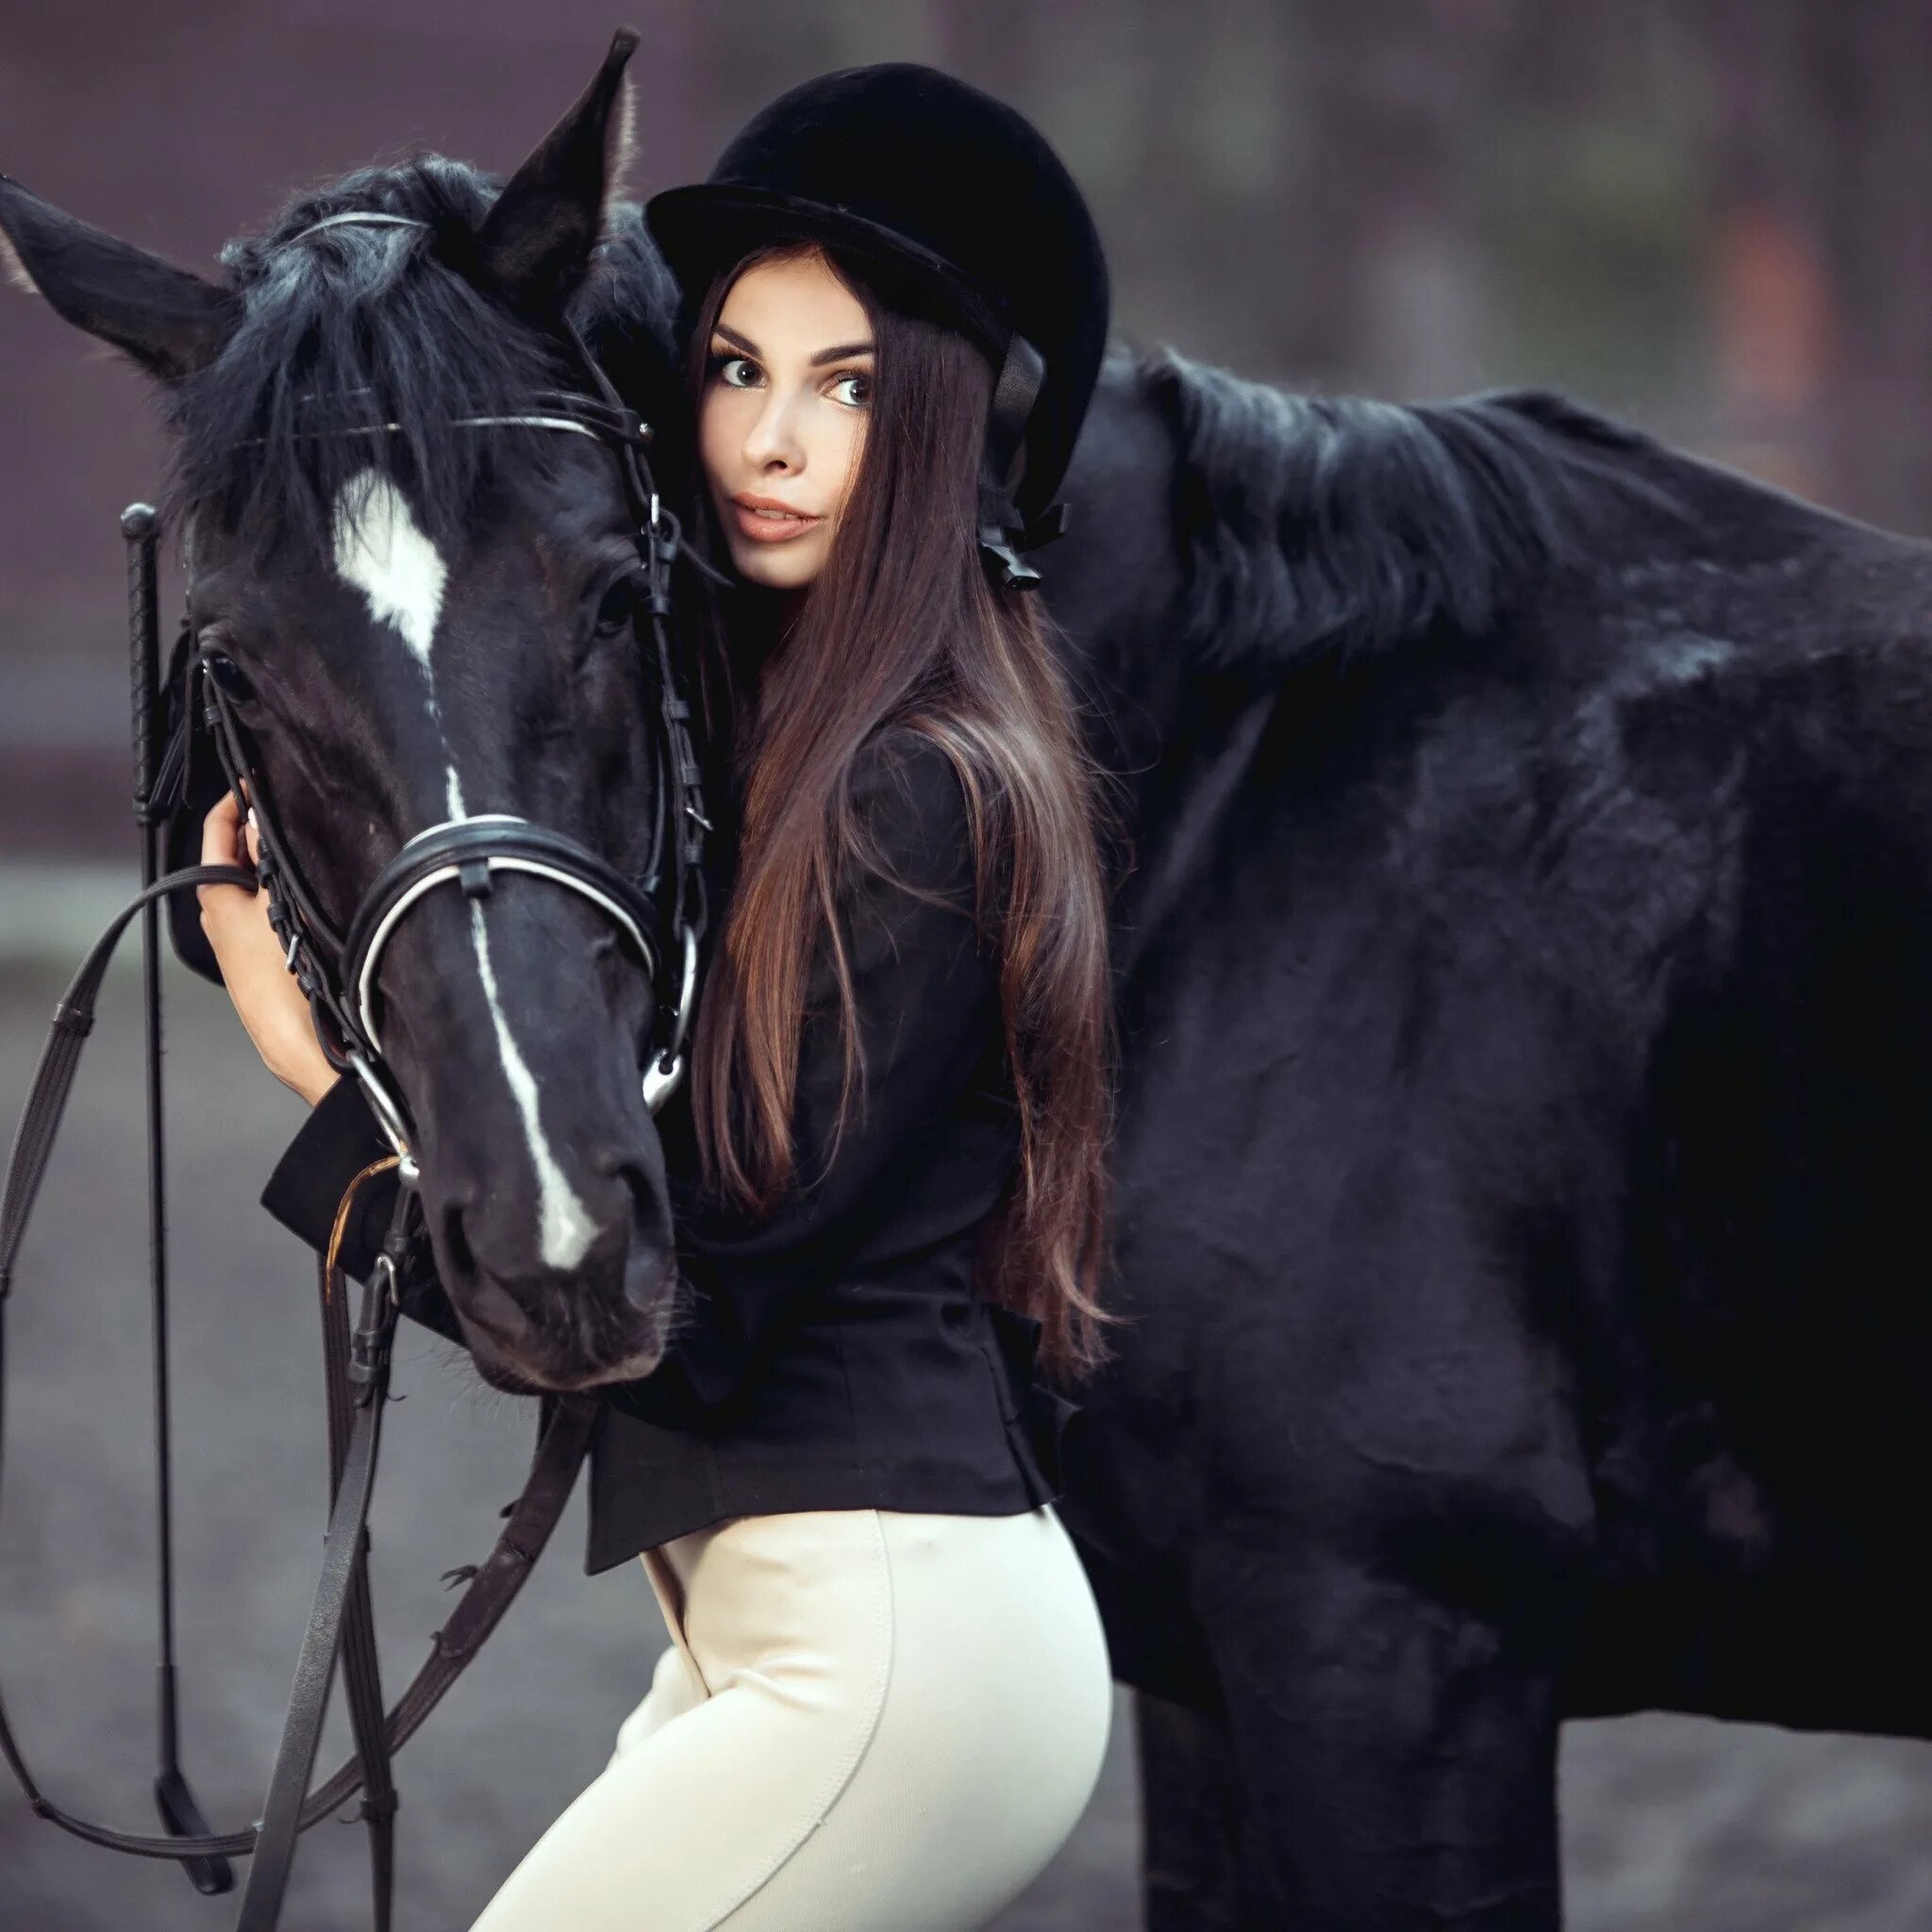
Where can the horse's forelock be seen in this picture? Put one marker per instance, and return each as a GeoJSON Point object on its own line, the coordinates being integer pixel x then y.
{"type": "Point", "coordinates": [361, 325]}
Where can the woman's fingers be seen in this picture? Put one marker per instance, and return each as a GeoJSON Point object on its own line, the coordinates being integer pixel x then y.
{"type": "Point", "coordinates": [226, 842]}
{"type": "Point", "coordinates": [218, 832]}
{"type": "Point", "coordinates": [218, 848]}
{"type": "Point", "coordinates": [253, 838]}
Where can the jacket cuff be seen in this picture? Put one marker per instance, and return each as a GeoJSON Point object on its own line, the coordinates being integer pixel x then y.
{"type": "Point", "coordinates": [333, 1145]}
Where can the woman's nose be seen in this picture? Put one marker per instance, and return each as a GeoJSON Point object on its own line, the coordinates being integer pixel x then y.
{"type": "Point", "coordinates": [773, 442]}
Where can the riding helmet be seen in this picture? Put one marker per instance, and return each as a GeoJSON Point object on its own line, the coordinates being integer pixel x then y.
{"type": "Point", "coordinates": [958, 209]}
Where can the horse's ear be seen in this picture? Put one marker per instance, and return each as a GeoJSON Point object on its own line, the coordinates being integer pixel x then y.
{"type": "Point", "coordinates": [535, 243]}
{"type": "Point", "coordinates": [171, 322]}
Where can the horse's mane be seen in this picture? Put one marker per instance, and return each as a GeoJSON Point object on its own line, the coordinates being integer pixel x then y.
{"type": "Point", "coordinates": [349, 327]}
{"type": "Point", "coordinates": [1335, 528]}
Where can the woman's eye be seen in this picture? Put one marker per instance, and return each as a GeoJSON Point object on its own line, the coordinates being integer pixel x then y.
{"type": "Point", "coordinates": [855, 391]}
{"type": "Point", "coordinates": [736, 371]}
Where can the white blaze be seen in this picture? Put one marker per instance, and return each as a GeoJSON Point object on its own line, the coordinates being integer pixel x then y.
{"type": "Point", "coordinates": [382, 551]}
{"type": "Point", "coordinates": [565, 1227]}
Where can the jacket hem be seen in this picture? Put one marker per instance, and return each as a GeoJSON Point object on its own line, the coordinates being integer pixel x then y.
{"type": "Point", "coordinates": [743, 1492]}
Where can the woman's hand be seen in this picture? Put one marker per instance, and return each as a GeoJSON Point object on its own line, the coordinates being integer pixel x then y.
{"type": "Point", "coordinates": [272, 1005]}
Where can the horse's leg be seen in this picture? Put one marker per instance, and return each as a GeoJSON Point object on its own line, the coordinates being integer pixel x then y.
{"type": "Point", "coordinates": [1397, 1756]}
{"type": "Point", "coordinates": [1190, 1812]}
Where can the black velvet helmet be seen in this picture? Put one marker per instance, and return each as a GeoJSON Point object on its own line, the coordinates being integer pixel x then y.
{"type": "Point", "coordinates": [957, 207]}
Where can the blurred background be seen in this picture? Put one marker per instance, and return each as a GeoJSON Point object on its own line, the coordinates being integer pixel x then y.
{"type": "Point", "coordinates": [1706, 216]}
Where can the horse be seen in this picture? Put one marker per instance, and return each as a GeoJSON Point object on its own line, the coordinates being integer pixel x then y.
{"type": "Point", "coordinates": [1524, 894]}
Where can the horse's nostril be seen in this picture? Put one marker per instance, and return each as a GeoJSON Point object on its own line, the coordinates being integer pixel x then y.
{"type": "Point", "coordinates": [623, 1169]}
{"type": "Point", "coordinates": [648, 1275]}
{"type": "Point", "coordinates": [485, 1301]}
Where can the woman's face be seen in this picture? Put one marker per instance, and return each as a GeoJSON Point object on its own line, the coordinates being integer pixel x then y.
{"type": "Point", "coordinates": [782, 418]}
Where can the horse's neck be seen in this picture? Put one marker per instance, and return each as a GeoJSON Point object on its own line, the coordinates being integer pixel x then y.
{"type": "Point", "coordinates": [1229, 537]}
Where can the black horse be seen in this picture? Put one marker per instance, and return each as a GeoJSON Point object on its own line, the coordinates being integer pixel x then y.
{"type": "Point", "coordinates": [1519, 942]}
{"type": "Point", "coordinates": [427, 591]}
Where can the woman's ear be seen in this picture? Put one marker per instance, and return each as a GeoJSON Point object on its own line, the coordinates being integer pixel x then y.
{"type": "Point", "coordinates": [535, 243]}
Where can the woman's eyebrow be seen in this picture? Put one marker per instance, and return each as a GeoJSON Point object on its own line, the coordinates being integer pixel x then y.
{"type": "Point", "coordinates": [747, 346]}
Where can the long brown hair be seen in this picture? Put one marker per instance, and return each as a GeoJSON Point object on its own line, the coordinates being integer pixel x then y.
{"type": "Point", "coordinates": [903, 627]}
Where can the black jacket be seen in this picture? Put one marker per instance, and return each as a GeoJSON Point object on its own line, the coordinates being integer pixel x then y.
{"type": "Point", "coordinates": [837, 1358]}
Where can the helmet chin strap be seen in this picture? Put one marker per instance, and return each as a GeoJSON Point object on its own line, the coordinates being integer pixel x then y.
{"type": "Point", "coordinates": [1003, 533]}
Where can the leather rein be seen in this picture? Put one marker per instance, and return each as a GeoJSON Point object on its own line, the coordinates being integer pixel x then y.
{"type": "Point", "coordinates": [661, 914]}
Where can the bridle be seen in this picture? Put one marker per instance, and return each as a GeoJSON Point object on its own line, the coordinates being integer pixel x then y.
{"type": "Point", "coordinates": [662, 915]}
{"type": "Point", "coordinates": [339, 970]}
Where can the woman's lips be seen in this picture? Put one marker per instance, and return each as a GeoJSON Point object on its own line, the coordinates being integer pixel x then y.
{"type": "Point", "coordinates": [765, 521]}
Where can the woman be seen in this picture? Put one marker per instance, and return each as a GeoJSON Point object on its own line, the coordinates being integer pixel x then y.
{"type": "Point", "coordinates": [887, 1697]}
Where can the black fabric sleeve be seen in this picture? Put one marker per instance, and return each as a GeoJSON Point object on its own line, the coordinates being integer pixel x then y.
{"type": "Point", "coordinates": [926, 1000]}
{"type": "Point", "coordinates": [333, 1145]}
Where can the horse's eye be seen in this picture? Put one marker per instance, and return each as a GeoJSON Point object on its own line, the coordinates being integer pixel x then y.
{"type": "Point", "coordinates": [233, 680]}
{"type": "Point", "coordinates": [616, 613]}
